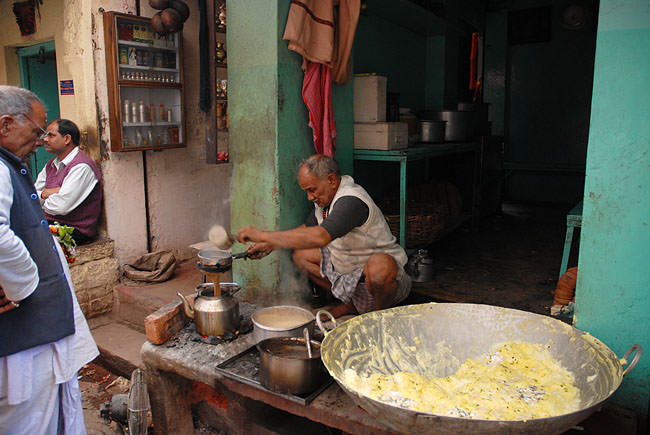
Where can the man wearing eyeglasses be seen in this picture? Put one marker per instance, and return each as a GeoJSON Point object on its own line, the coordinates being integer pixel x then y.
{"type": "Point", "coordinates": [44, 337]}
{"type": "Point", "coordinates": [69, 186]}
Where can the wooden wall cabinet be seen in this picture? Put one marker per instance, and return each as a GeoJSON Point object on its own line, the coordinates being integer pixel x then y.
{"type": "Point", "coordinates": [217, 129]}
{"type": "Point", "coordinates": [145, 85]}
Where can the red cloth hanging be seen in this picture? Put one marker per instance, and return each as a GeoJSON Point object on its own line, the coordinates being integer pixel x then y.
{"type": "Point", "coordinates": [473, 62]}
{"type": "Point", "coordinates": [317, 95]}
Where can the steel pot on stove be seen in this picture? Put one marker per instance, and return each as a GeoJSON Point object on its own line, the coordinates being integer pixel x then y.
{"type": "Point", "coordinates": [286, 366]}
{"type": "Point", "coordinates": [281, 321]}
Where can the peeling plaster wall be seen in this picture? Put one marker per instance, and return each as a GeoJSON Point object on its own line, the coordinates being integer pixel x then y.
{"type": "Point", "coordinates": [123, 172]}
{"type": "Point", "coordinates": [186, 195]}
{"type": "Point", "coordinates": [612, 295]}
{"type": "Point", "coordinates": [69, 25]}
{"type": "Point", "coordinates": [270, 133]}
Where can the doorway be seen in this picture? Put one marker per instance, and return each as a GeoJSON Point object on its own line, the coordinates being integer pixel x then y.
{"type": "Point", "coordinates": [38, 74]}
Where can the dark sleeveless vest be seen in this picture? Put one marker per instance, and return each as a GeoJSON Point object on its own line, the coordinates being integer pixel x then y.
{"type": "Point", "coordinates": [84, 218]}
{"type": "Point", "coordinates": [46, 315]}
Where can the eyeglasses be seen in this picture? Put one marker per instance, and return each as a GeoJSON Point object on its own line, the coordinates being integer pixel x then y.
{"type": "Point", "coordinates": [45, 132]}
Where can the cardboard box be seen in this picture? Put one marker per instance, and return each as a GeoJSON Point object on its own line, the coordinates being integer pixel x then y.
{"type": "Point", "coordinates": [381, 135]}
{"type": "Point", "coordinates": [370, 98]}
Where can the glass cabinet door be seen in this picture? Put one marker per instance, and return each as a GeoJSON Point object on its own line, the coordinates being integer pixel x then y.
{"type": "Point", "coordinates": [145, 85]}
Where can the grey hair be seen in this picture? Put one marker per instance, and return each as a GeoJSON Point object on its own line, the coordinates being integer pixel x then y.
{"type": "Point", "coordinates": [15, 101]}
{"type": "Point", "coordinates": [321, 165]}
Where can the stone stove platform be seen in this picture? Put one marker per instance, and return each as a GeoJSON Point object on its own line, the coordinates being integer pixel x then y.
{"type": "Point", "coordinates": [181, 373]}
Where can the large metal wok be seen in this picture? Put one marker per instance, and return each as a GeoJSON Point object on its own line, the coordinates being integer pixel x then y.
{"type": "Point", "coordinates": [435, 339]}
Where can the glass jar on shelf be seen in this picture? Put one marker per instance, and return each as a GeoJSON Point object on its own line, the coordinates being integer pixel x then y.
{"type": "Point", "coordinates": [127, 111]}
{"type": "Point", "coordinates": [134, 113]}
{"type": "Point", "coordinates": [221, 17]}
{"type": "Point", "coordinates": [220, 53]}
{"type": "Point", "coordinates": [133, 57]}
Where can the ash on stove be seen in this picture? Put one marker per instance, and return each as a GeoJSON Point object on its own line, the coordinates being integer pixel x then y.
{"type": "Point", "coordinates": [190, 329]}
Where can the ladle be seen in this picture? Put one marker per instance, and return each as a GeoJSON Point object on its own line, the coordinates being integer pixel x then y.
{"type": "Point", "coordinates": [305, 332]}
{"type": "Point", "coordinates": [220, 237]}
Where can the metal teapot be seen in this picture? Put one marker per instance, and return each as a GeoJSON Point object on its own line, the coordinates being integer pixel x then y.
{"type": "Point", "coordinates": [420, 266]}
{"type": "Point", "coordinates": [214, 314]}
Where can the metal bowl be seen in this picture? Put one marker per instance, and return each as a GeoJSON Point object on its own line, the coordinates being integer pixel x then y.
{"type": "Point", "coordinates": [435, 339]}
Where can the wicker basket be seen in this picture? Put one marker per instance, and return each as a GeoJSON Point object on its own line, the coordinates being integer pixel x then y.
{"type": "Point", "coordinates": [421, 229]}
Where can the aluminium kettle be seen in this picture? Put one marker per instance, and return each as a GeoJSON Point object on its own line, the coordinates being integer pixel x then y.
{"type": "Point", "coordinates": [213, 315]}
{"type": "Point", "coordinates": [420, 266]}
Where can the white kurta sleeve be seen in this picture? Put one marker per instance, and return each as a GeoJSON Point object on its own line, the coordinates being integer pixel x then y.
{"type": "Point", "coordinates": [76, 187]}
{"type": "Point", "coordinates": [18, 272]}
{"type": "Point", "coordinates": [40, 183]}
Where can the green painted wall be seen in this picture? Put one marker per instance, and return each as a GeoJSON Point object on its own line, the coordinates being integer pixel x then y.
{"type": "Point", "coordinates": [541, 91]}
{"type": "Point", "coordinates": [253, 113]}
{"type": "Point", "coordinates": [434, 86]}
{"type": "Point", "coordinates": [613, 292]}
{"type": "Point", "coordinates": [269, 135]}
{"type": "Point", "coordinates": [395, 52]}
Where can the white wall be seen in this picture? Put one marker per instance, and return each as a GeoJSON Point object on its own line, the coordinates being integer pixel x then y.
{"type": "Point", "coordinates": [186, 195]}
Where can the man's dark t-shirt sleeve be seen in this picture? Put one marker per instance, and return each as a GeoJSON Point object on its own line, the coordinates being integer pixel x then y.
{"type": "Point", "coordinates": [350, 212]}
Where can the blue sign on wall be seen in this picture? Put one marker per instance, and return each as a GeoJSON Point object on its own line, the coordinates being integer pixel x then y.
{"type": "Point", "coordinates": [67, 87]}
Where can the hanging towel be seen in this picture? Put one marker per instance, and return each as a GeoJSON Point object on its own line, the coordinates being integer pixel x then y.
{"type": "Point", "coordinates": [324, 39]}
{"type": "Point", "coordinates": [319, 34]}
{"type": "Point", "coordinates": [346, 26]}
{"type": "Point", "coordinates": [317, 94]}
{"type": "Point", "coordinates": [310, 30]}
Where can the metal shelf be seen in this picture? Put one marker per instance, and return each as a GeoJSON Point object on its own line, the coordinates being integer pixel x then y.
{"type": "Point", "coordinates": [151, 124]}
{"type": "Point", "coordinates": [144, 45]}
{"type": "Point", "coordinates": [419, 152]}
{"type": "Point", "coordinates": [148, 68]}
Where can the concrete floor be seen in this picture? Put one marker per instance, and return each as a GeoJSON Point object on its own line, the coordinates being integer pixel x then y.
{"type": "Point", "coordinates": [512, 259]}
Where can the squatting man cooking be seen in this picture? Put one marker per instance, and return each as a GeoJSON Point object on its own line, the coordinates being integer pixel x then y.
{"type": "Point", "coordinates": [345, 245]}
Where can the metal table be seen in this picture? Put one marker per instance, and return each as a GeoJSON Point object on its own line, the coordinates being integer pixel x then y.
{"type": "Point", "coordinates": [419, 152]}
{"type": "Point", "coordinates": [573, 220]}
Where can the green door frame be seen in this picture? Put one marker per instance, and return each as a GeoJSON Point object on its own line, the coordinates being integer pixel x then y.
{"type": "Point", "coordinates": [23, 54]}
{"type": "Point", "coordinates": [32, 50]}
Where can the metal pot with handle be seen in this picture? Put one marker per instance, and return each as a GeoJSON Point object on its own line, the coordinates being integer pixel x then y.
{"type": "Point", "coordinates": [218, 258]}
{"type": "Point", "coordinates": [432, 131]}
{"type": "Point", "coordinates": [420, 266]}
{"type": "Point", "coordinates": [281, 321]}
{"type": "Point", "coordinates": [288, 365]}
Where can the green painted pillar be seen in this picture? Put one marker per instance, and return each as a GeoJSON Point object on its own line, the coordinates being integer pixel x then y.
{"type": "Point", "coordinates": [269, 136]}
{"type": "Point", "coordinates": [613, 294]}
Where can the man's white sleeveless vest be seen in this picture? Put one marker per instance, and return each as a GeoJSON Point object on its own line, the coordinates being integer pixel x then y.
{"type": "Point", "coordinates": [352, 250]}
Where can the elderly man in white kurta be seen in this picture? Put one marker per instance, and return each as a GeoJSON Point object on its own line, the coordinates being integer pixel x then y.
{"type": "Point", "coordinates": [44, 337]}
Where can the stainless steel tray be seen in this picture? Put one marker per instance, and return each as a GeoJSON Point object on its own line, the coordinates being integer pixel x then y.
{"type": "Point", "coordinates": [244, 367]}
